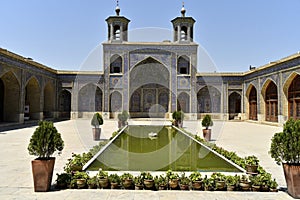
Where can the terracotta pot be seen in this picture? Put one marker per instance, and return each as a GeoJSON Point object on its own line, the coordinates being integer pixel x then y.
{"type": "Point", "coordinates": [114, 185]}
{"type": "Point", "coordinates": [162, 187]}
{"type": "Point", "coordinates": [92, 186]}
{"type": "Point", "coordinates": [81, 183]}
{"type": "Point", "coordinates": [184, 187]}
{"type": "Point", "coordinates": [197, 185]}
{"type": "Point", "coordinates": [42, 171]}
{"type": "Point", "coordinates": [149, 184]}
{"type": "Point", "coordinates": [251, 169]}
{"type": "Point", "coordinates": [207, 134]}
{"type": "Point", "coordinates": [96, 133]}
{"type": "Point", "coordinates": [138, 187]}
{"type": "Point", "coordinates": [127, 183]}
{"type": "Point", "coordinates": [255, 188]}
{"type": "Point", "coordinates": [220, 185]}
{"type": "Point", "coordinates": [103, 183]}
{"type": "Point", "coordinates": [230, 187]}
{"type": "Point", "coordinates": [292, 177]}
{"type": "Point", "coordinates": [173, 183]}
{"type": "Point", "coordinates": [245, 186]}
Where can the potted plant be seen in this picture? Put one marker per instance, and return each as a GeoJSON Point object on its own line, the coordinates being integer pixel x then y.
{"type": "Point", "coordinates": [184, 182]}
{"type": "Point", "coordinates": [251, 164]}
{"type": "Point", "coordinates": [178, 117]}
{"type": "Point", "coordinates": [172, 179]}
{"type": "Point", "coordinates": [285, 148]}
{"type": "Point", "coordinates": [244, 183]}
{"type": "Point", "coordinates": [123, 117]}
{"type": "Point", "coordinates": [207, 122]}
{"type": "Point", "coordinates": [208, 183]}
{"type": "Point", "coordinates": [76, 162]}
{"type": "Point", "coordinates": [161, 182]}
{"type": "Point", "coordinates": [255, 183]}
{"type": "Point", "coordinates": [127, 180]}
{"type": "Point", "coordinates": [92, 182]}
{"type": "Point", "coordinates": [273, 185]}
{"type": "Point", "coordinates": [103, 179]}
{"type": "Point", "coordinates": [196, 180]}
{"type": "Point", "coordinates": [219, 179]}
{"type": "Point", "coordinates": [63, 180]}
{"type": "Point", "coordinates": [138, 182]}
{"type": "Point", "coordinates": [96, 122]}
{"type": "Point", "coordinates": [81, 179]}
{"type": "Point", "coordinates": [114, 180]}
{"type": "Point", "coordinates": [231, 182]}
{"type": "Point", "coordinates": [148, 180]}
{"type": "Point", "coordinates": [43, 143]}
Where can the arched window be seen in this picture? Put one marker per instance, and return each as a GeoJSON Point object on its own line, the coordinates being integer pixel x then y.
{"type": "Point", "coordinates": [183, 33]}
{"type": "Point", "coordinates": [116, 64]}
{"type": "Point", "coordinates": [234, 105]}
{"type": "Point", "coordinates": [183, 102]}
{"type": "Point", "coordinates": [117, 32]}
{"type": "Point", "coordinates": [183, 65]}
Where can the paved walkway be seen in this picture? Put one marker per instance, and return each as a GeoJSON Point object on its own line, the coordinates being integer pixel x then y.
{"type": "Point", "coordinates": [15, 167]}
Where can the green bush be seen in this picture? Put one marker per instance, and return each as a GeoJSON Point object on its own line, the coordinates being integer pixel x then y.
{"type": "Point", "coordinates": [97, 120]}
{"type": "Point", "coordinates": [207, 121]}
{"type": "Point", "coordinates": [123, 116]}
{"type": "Point", "coordinates": [285, 145]}
{"type": "Point", "coordinates": [45, 140]}
{"type": "Point", "coordinates": [178, 115]}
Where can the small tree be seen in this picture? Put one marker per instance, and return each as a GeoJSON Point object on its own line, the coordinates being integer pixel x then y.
{"type": "Point", "coordinates": [207, 121]}
{"type": "Point", "coordinates": [285, 146]}
{"type": "Point", "coordinates": [45, 141]}
{"type": "Point", "coordinates": [97, 120]}
{"type": "Point", "coordinates": [123, 117]}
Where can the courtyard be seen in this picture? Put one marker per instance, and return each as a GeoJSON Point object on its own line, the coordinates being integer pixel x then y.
{"type": "Point", "coordinates": [245, 138]}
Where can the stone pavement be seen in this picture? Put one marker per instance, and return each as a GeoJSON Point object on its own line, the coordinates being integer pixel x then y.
{"type": "Point", "coordinates": [15, 165]}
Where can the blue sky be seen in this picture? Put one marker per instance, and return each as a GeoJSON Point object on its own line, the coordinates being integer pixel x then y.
{"type": "Point", "coordinates": [236, 34]}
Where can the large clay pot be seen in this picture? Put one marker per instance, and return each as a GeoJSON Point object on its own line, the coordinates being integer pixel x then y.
{"type": "Point", "coordinates": [42, 171]}
{"type": "Point", "coordinates": [103, 182]}
{"type": "Point", "coordinates": [96, 133]}
{"type": "Point", "coordinates": [292, 177]}
{"type": "Point", "coordinates": [251, 169]}
{"type": "Point", "coordinates": [207, 134]}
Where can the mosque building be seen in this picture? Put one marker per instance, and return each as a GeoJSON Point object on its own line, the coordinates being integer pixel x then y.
{"type": "Point", "coordinates": [150, 80]}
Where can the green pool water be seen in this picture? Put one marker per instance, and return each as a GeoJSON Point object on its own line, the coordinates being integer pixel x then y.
{"type": "Point", "coordinates": [158, 148]}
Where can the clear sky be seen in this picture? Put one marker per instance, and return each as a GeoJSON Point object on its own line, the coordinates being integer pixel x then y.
{"type": "Point", "coordinates": [235, 33]}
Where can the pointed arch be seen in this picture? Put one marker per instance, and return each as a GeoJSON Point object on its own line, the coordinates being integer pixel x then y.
{"type": "Point", "coordinates": [115, 104]}
{"type": "Point", "coordinates": [89, 98]}
{"type": "Point", "coordinates": [183, 65]}
{"type": "Point", "coordinates": [251, 94]}
{"type": "Point", "coordinates": [293, 96]}
{"type": "Point", "coordinates": [49, 100]}
{"type": "Point", "coordinates": [64, 105]}
{"type": "Point", "coordinates": [270, 97]}
{"type": "Point", "coordinates": [234, 104]}
{"type": "Point", "coordinates": [116, 63]}
{"type": "Point", "coordinates": [9, 97]}
{"type": "Point", "coordinates": [183, 102]}
{"type": "Point", "coordinates": [33, 98]}
{"type": "Point", "coordinates": [209, 100]}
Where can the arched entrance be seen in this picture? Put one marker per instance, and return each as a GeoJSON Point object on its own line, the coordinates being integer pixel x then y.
{"type": "Point", "coordinates": [49, 101]}
{"type": "Point", "coordinates": [234, 105]}
{"type": "Point", "coordinates": [9, 98]}
{"type": "Point", "coordinates": [149, 89]}
{"type": "Point", "coordinates": [32, 99]}
{"type": "Point", "coordinates": [89, 99]}
{"type": "Point", "coordinates": [253, 103]}
{"type": "Point", "coordinates": [294, 98]}
{"type": "Point", "coordinates": [1, 100]}
{"type": "Point", "coordinates": [183, 102]}
{"type": "Point", "coordinates": [115, 104]}
{"type": "Point", "coordinates": [209, 100]}
{"type": "Point", "coordinates": [65, 104]}
{"type": "Point", "coordinates": [271, 102]}
{"type": "Point", "coordinates": [150, 100]}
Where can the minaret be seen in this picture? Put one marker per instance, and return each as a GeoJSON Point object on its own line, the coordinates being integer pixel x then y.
{"type": "Point", "coordinates": [183, 27]}
{"type": "Point", "coordinates": [117, 27]}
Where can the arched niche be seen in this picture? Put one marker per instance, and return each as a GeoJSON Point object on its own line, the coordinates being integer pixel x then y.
{"type": "Point", "coordinates": [49, 100]}
{"type": "Point", "coordinates": [33, 99]}
{"type": "Point", "coordinates": [209, 100]}
{"type": "Point", "coordinates": [116, 63]}
{"type": "Point", "coordinates": [234, 104]}
{"type": "Point", "coordinates": [183, 102]}
{"type": "Point", "coordinates": [183, 65]}
{"type": "Point", "coordinates": [64, 105]}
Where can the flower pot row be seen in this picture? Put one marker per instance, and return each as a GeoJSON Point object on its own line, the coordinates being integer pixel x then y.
{"type": "Point", "coordinates": [168, 181]}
